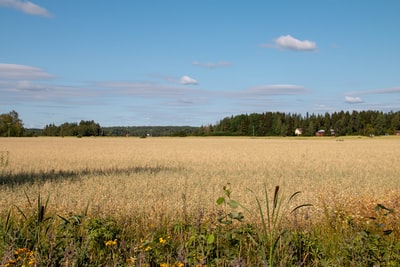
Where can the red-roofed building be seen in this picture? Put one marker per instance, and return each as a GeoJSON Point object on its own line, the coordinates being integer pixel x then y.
{"type": "Point", "coordinates": [320, 133]}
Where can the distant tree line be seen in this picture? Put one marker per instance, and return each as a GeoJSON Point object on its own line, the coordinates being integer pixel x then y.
{"type": "Point", "coordinates": [84, 128]}
{"type": "Point", "coordinates": [255, 124]}
{"type": "Point", "coordinates": [145, 131]}
{"type": "Point", "coordinates": [285, 124]}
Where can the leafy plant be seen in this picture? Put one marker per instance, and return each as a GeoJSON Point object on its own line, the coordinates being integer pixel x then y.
{"type": "Point", "coordinates": [371, 243]}
{"type": "Point", "coordinates": [228, 215]}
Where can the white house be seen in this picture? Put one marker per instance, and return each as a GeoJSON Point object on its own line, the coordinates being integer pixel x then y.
{"type": "Point", "coordinates": [298, 131]}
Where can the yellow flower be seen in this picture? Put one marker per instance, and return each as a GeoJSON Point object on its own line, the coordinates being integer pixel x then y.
{"type": "Point", "coordinates": [21, 250]}
{"type": "Point", "coordinates": [10, 263]}
{"type": "Point", "coordinates": [162, 240]}
{"type": "Point", "coordinates": [111, 243]}
{"type": "Point", "coordinates": [147, 248]}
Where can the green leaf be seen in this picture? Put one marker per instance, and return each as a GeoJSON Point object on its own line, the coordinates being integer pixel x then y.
{"type": "Point", "coordinates": [236, 215]}
{"type": "Point", "coordinates": [233, 203]}
{"type": "Point", "coordinates": [224, 220]}
{"type": "Point", "coordinates": [210, 239]}
{"type": "Point", "coordinates": [220, 200]}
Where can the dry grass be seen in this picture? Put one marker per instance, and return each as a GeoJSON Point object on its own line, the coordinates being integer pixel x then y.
{"type": "Point", "coordinates": [166, 177]}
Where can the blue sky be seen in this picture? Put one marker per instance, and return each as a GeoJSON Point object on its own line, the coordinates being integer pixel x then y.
{"type": "Point", "coordinates": [195, 62]}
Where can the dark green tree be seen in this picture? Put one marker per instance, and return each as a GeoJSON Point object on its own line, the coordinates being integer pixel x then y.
{"type": "Point", "coordinates": [51, 130]}
{"type": "Point", "coordinates": [88, 128]}
{"type": "Point", "coordinates": [395, 122]}
{"type": "Point", "coordinates": [379, 124]}
{"type": "Point", "coordinates": [11, 124]}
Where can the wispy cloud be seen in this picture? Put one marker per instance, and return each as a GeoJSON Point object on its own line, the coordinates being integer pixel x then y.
{"type": "Point", "coordinates": [276, 89]}
{"type": "Point", "coordinates": [22, 72]}
{"type": "Point", "coordinates": [382, 91]}
{"type": "Point", "coordinates": [322, 108]}
{"type": "Point", "coordinates": [185, 80]}
{"type": "Point", "coordinates": [352, 100]}
{"type": "Point", "coordinates": [26, 83]}
{"type": "Point", "coordinates": [212, 65]}
{"type": "Point", "coordinates": [392, 90]}
{"type": "Point", "coordinates": [288, 42]}
{"type": "Point", "coordinates": [26, 7]}
{"type": "Point", "coordinates": [188, 80]}
{"type": "Point", "coordinates": [32, 92]}
{"type": "Point", "coordinates": [34, 86]}
{"type": "Point", "coordinates": [142, 89]}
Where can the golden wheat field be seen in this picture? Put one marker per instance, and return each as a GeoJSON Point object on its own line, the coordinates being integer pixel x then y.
{"type": "Point", "coordinates": [156, 177]}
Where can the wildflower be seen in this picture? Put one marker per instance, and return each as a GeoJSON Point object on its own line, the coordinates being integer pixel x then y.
{"type": "Point", "coordinates": [110, 243]}
{"type": "Point", "coordinates": [21, 251]}
{"type": "Point", "coordinates": [10, 263]}
{"type": "Point", "coordinates": [147, 248]}
{"type": "Point", "coordinates": [23, 255]}
{"type": "Point", "coordinates": [162, 240]}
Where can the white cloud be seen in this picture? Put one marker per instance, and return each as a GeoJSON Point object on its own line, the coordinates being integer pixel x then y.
{"type": "Point", "coordinates": [290, 43]}
{"type": "Point", "coordinates": [22, 72]}
{"type": "Point", "coordinates": [352, 100]}
{"type": "Point", "coordinates": [212, 65]}
{"type": "Point", "coordinates": [26, 7]}
{"type": "Point", "coordinates": [188, 80]}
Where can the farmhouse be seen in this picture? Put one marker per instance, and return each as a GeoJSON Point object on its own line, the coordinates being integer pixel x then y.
{"type": "Point", "coordinates": [320, 133]}
{"type": "Point", "coordinates": [298, 131]}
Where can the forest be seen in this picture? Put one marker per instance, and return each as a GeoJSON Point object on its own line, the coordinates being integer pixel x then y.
{"type": "Point", "coordinates": [366, 123]}
{"type": "Point", "coordinates": [341, 123]}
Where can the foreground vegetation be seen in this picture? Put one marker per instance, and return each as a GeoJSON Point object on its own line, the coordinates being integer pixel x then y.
{"type": "Point", "coordinates": [199, 202]}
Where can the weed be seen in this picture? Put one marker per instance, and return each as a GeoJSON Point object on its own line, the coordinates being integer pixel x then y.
{"type": "Point", "coordinates": [274, 223]}
{"type": "Point", "coordinates": [228, 214]}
